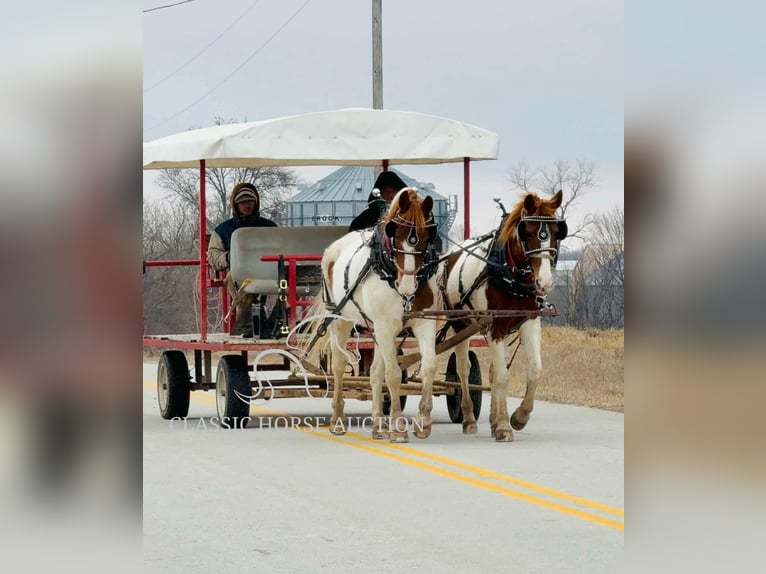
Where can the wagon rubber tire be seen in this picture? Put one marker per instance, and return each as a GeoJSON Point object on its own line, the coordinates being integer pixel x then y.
{"type": "Point", "coordinates": [474, 378]}
{"type": "Point", "coordinates": [232, 378]}
{"type": "Point", "coordinates": [402, 398]}
{"type": "Point", "coordinates": [173, 385]}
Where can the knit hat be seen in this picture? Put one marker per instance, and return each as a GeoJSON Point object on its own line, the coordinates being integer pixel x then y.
{"type": "Point", "coordinates": [245, 194]}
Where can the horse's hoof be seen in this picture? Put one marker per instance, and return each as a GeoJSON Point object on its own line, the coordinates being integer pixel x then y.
{"type": "Point", "coordinates": [399, 437]}
{"type": "Point", "coordinates": [379, 434]}
{"type": "Point", "coordinates": [338, 427]}
{"type": "Point", "coordinates": [502, 435]}
{"type": "Point", "coordinates": [425, 433]}
{"type": "Point", "coordinates": [470, 428]}
{"type": "Point", "coordinates": [517, 424]}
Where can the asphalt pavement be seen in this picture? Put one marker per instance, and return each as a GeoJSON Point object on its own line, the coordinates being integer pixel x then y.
{"type": "Point", "coordinates": [286, 496]}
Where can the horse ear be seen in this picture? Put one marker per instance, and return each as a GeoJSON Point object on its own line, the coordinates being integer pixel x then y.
{"type": "Point", "coordinates": [521, 229]}
{"type": "Point", "coordinates": [404, 202]}
{"type": "Point", "coordinates": [562, 230]}
{"type": "Point", "coordinates": [555, 201]}
{"type": "Point", "coordinates": [530, 206]}
{"type": "Point", "coordinates": [390, 228]}
{"type": "Point", "coordinates": [427, 206]}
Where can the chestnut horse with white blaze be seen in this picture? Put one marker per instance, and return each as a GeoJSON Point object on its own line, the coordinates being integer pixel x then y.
{"type": "Point", "coordinates": [375, 280]}
{"type": "Point", "coordinates": [509, 269]}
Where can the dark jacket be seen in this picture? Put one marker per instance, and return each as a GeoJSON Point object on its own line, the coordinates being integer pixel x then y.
{"type": "Point", "coordinates": [376, 207]}
{"type": "Point", "coordinates": [220, 239]}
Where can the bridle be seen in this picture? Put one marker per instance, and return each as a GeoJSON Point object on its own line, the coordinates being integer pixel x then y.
{"type": "Point", "coordinates": [384, 250]}
{"type": "Point", "coordinates": [543, 234]}
{"type": "Point", "coordinates": [501, 268]}
{"type": "Point", "coordinates": [412, 240]}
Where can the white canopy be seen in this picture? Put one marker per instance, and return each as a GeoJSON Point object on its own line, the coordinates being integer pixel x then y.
{"type": "Point", "coordinates": [356, 136]}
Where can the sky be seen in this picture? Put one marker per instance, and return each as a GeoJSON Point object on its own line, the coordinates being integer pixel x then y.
{"type": "Point", "coordinates": [546, 76]}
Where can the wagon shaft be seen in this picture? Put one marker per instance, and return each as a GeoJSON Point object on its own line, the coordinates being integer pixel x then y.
{"type": "Point", "coordinates": [412, 358]}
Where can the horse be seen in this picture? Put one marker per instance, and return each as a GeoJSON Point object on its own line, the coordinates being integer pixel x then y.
{"type": "Point", "coordinates": [508, 269]}
{"type": "Point", "coordinates": [376, 280]}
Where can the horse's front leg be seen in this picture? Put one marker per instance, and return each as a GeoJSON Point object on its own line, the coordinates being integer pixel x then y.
{"type": "Point", "coordinates": [338, 331]}
{"type": "Point", "coordinates": [387, 347]}
{"type": "Point", "coordinates": [501, 428]}
{"type": "Point", "coordinates": [377, 372]}
{"type": "Point", "coordinates": [463, 367]}
{"type": "Point", "coordinates": [531, 337]}
{"type": "Point", "coordinates": [425, 333]}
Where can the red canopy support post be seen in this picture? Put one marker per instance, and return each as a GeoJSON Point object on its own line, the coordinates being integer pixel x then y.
{"type": "Point", "coordinates": [202, 254]}
{"type": "Point", "coordinates": [466, 197]}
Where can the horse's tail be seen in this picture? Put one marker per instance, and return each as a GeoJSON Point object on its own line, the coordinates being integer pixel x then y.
{"type": "Point", "coordinates": [318, 353]}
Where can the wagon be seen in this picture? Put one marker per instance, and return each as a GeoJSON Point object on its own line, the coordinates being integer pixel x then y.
{"type": "Point", "coordinates": [271, 258]}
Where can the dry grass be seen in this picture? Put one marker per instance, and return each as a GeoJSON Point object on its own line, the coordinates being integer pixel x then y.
{"type": "Point", "coordinates": [580, 367]}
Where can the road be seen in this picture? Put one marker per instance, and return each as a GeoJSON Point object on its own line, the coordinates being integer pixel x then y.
{"type": "Point", "coordinates": [278, 497]}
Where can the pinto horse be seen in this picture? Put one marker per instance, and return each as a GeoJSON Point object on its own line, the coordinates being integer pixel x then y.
{"type": "Point", "coordinates": [375, 281]}
{"type": "Point", "coordinates": [509, 269]}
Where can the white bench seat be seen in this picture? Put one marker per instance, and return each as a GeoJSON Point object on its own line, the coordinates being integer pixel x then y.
{"type": "Point", "coordinates": [249, 244]}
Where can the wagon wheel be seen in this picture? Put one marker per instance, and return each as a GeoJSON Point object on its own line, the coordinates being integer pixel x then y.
{"type": "Point", "coordinates": [402, 398]}
{"type": "Point", "coordinates": [173, 385]}
{"type": "Point", "coordinates": [474, 378]}
{"type": "Point", "coordinates": [231, 379]}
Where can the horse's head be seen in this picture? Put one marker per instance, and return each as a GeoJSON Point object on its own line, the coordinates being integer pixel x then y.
{"type": "Point", "coordinates": [410, 229]}
{"type": "Point", "coordinates": [532, 232]}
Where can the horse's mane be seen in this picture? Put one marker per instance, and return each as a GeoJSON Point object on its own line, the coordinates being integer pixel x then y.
{"type": "Point", "coordinates": [509, 230]}
{"type": "Point", "coordinates": [414, 215]}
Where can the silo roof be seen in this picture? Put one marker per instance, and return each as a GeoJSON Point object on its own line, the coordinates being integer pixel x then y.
{"type": "Point", "coordinates": [354, 183]}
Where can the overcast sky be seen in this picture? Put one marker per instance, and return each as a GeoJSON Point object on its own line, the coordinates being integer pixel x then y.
{"type": "Point", "coordinates": [546, 76]}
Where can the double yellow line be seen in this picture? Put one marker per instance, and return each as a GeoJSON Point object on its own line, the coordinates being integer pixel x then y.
{"type": "Point", "coordinates": [554, 499]}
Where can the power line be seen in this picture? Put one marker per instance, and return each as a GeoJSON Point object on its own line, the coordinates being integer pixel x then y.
{"type": "Point", "coordinates": [167, 6]}
{"type": "Point", "coordinates": [205, 49]}
{"type": "Point", "coordinates": [234, 71]}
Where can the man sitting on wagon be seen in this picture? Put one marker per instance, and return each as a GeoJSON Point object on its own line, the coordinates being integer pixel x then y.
{"type": "Point", "coordinates": [388, 184]}
{"type": "Point", "coordinates": [245, 206]}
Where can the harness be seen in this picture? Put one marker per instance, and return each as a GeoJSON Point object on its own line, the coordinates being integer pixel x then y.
{"type": "Point", "coordinates": [501, 269]}
{"type": "Point", "coordinates": [383, 262]}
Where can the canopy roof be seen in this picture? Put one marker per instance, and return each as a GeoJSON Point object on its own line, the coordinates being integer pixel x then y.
{"type": "Point", "coordinates": [356, 136]}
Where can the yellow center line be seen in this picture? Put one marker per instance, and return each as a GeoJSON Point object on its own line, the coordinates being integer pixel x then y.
{"type": "Point", "coordinates": [474, 481]}
{"type": "Point", "coordinates": [380, 447]}
{"type": "Point", "coordinates": [494, 475]}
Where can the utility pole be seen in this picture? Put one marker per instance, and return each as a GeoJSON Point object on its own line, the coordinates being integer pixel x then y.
{"type": "Point", "coordinates": [377, 55]}
{"type": "Point", "coordinates": [377, 65]}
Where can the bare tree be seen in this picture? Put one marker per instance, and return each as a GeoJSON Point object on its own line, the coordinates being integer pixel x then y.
{"type": "Point", "coordinates": [275, 185]}
{"type": "Point", "coordinates": [598, 283]}
{"type": "Point", "coordinates": [575, 180]}
{"type": "Point", "coordinates": [169, 233]}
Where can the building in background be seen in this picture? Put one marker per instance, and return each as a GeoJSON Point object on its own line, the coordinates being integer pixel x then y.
{"type": "Point", "coordinates": [340, 196]}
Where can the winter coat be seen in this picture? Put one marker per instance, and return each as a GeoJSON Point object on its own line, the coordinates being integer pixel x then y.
{"type": "Point", "coordinates": [220, 240]}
